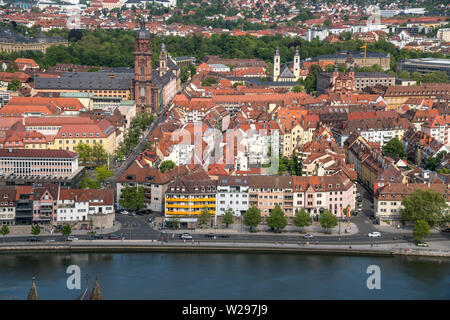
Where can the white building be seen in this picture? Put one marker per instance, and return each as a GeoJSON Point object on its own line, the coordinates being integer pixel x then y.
{"type": "Point", "coordinates": [219, 67]}
{"type": "Point", "coordinates": [76, 205]}
{"type": "Point", "coordinates": [232, 193]}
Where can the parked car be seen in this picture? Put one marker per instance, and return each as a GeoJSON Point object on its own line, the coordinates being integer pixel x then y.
{"type": "Point", "coordinates": [422, 244]}
{"type": "Point", "coordinates": [115, 237]}
{"type": "Point", "coordinates": [50, 240]}
{"type": "Point", "coordinates": [125, 212]}
{"type": "Point", "coordinates": [33, 239]}
{"type": "Point", "coordinates": [132, 214]}
{"type": "Point", "coordinates": [186, 236]}
{"type": "Point", "coordinates": [224, 235]}
{"type": "Point", "coordinates": [72, 238]}
{"type": "Point", "coordinates": [354, 213]}
{"type": "Point", "coordinates": [308, 236]}
{"type": "Point", "coordinates": [94, 237]}
{"type": "Point", "coordinates": [374, 235]}
{"type": "Point", "coordinates": [446, 230]}
{"type": "Point", "coordinates": [210, 235]}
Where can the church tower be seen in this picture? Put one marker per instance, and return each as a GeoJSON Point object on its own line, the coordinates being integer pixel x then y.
{"type": "Point", "coordinates": [296, 64]}
{"type": "Point", "coordinates": [142, 85]}
{"type": "Point", "coordinates": [163, 60]}
{"type": "Point", "coordinates": [276, 65]}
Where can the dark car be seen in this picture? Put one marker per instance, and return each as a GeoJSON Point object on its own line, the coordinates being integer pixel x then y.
{"type": "Point", "coordinates": [94, 237]}
{"type": "Point", "coordinates": [115, 237]}
{"type": "Point", "coordinates": [33, 239]}
{"type": "Point", "coordinates": [446, 230]}
{"type": "Point", "coordinates": [210, 235]}
{"type": "Point", "coordinates": [224, 235]}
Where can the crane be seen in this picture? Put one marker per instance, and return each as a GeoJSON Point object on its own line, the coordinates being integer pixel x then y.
{"type": "Point", "coordinates": [365, 52]}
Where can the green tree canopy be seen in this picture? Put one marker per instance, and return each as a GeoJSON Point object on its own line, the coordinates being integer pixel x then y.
{"type": "Point", "coordinates": [15, 85]}
{"type": "Point", "coordinates": [328, 220]}
{"type": "Point", "coordinates": [4, 230]}
{"type": "Point", "coordinates": [168, 164]}
{"type": "Point", "coordinates": [132, 197]}
{"type": "Point", "coordinates": [423, 204]}
{"type": "Point", "coordinates": [204, 218]}
{"type": "Point", "coordinates": [35, 229]}
{"type": "Point", "coordinates": [103, 173]}
{"type": "Point", "coordinates": [228, 217]}
{"type": "Point", "coordinates": [277, 219]}
{"type": "Point", "coordinates": [89, 183]}
{"type": "Point", "coordinates": [421, 230]}
{"type": "Point", "coordinates": [302, 219]}
{"type": "Point", "coordinates": [66, 230]}
{"type": "Point", "coordinates": [252, 217]}
{"type": "Point", "coordinates": [394, 148]}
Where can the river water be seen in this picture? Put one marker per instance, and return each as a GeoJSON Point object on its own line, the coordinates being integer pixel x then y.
{"type": "Point", "coordinates": [225, 276]}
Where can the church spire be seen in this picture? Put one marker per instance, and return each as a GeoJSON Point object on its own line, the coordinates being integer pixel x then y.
{"type": "Point", "coordinates": [33, 295]}
{"type": "Point", "coordinates": [96, 292]}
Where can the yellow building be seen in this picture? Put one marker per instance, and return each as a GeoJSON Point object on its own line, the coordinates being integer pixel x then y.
{"type": "Point", "coordinates": [396, 96]}
{"type": "Point", "coordinates": [191, 195]}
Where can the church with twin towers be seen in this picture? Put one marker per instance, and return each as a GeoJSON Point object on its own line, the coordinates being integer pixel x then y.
{"type": "Point", "coordinates": [290, 71]}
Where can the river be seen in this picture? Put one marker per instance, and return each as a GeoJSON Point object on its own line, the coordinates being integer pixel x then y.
{"type": "Point", "coordinates": [225, 276]}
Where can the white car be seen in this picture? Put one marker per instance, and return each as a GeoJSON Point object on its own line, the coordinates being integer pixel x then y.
{"type": "Point", "coordinates": [125, 212]}
{"type": "Point", "coordinates": [186, 236]}
{"type": "Point", "coordinates": [71, 238]}
{"type": "Point", "coordinates": [374, 235]}
{"type": "Point", "coordinates": [308, 236]}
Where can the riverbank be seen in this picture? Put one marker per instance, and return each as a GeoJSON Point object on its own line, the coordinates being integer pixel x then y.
{"type": "Point", "coordinates": [119, 246]}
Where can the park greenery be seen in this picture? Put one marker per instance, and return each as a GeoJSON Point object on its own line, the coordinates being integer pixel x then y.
{"type": "Point", "coordinates": [115, 47]}
{"type": "Point", "coordinates": [394, 148]}
{"type": "Point", "coordinates": [252, 218]}
{"type": "Point", "coordinates": [277, 220]}
{"type": "Point", "coordinates": [228, 217]}
{"type": "Point", "coordinates": [426, 205]}
{"type": "Point", "coordinates": [132, 197]}
{"type": "Point", "coordinates": [328, 220]}
{"type": "Point", "coordinates": [302, 219]}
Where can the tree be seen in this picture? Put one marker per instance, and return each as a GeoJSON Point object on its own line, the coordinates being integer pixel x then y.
{"type": "Point", "coordinates": [204, 218]}
{"type": "Point", "coordinates": [404, 74]}
{"type": "Point", "coordinates": [84, 152]}
{"type": "Point", "coordinates": [88, 183]}
{"type": "Point", "coordinates": [228, 218]}
{"type": "Point", "coordinates": [132, 198]}
{"type": "Point", "coordinates": [394, 147]}
{"type": "Point", "coordinates": [302, 219]}
{"type": "Point", "coordinates": [35, 230]}
{"type": "Point", "coordinates": [252, 218]}
{"type": "Point", "coordinates": [99, 154]}
{"type": "Point", "coordinates": [328, 220]}
{"type": "Point", "coordinates": [327, 23]}
{"type": "Point", "coordinates": [423, 204]}
{"type": "Point", "coordinates": [421, 230]}
{"type": "Point", "coordinates": [103, 173]}
{"type": "Point", "coordinates": [297, 89]}
{"type": "Point", "coordinates": [277, 219]}
{"type": "Point", "coordinates": [15, 85]}
{"type": "Point", "coordinates": [4, 230]}
{"type": "Point", "coordinates": [66, 230]}
{"type": "Point", "coordinates": [168, 164]}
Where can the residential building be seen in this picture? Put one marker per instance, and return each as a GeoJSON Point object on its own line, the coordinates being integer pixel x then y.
{"type": "Point", "coordinates": [7, 205]}
{"type": "Point", "coordinates": [232, 193]}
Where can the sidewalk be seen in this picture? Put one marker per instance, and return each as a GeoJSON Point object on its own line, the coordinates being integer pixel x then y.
{"type": "Point", "coordinates": [25, 231]}
{"type": "Point", "coordinates": [289, 231]}
{"type": "Point", "coordinates": [407, 230]}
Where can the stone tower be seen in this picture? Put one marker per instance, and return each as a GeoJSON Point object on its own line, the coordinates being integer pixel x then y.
{"type": "Point", "coordinates": [142, 86]}
{"type": "Point", "coordinates": [296, 64]}
{"type": "Point", "coordinates": [163, 68]}
{"type": "Point", "coordinates": [276, 65]}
